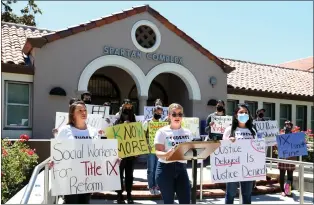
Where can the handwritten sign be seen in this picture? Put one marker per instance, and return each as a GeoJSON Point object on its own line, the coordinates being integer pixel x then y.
{"type": "Point", "coordinates": [131, 138]}
{"type": "Point", "coordinates": [94, 120]}
{"type": "Point", "coordinates": [292, 145]}
{"type": "Point", "coordinates": [152, 129]}
{"type": "Point", "coordinates": [243, 160]}
{"type": "Point", "coordinates": [140, 118]}
{"type": "Point", "coordinates": [149, 112]}
{"type": "Point", "coordinates": [268, 130]}
{"type": "Point", "coordinates": [84, 166]}
{"type": "Point", "coordinates": [98, 109]}
{"type": "Point", "coordinates": [193, 124]}
{"type": "Point", "coordinates": [220, 124]}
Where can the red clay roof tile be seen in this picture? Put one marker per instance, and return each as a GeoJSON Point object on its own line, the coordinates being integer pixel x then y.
{"type": "Point", "coordinates": [269, 78]}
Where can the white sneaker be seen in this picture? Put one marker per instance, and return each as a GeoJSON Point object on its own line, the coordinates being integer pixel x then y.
{"type": "Point", "coordinates": [157, 192]}
{"type": "Point", "coordinates": [152, 191]}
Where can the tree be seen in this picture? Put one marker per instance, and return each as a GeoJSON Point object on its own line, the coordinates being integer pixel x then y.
{"type": "Point", "coordinates": [27, 13]}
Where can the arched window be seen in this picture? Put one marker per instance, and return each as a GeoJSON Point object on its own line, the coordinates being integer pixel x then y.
{"type": "Point", "coordinates": [103, 90]}
{"type": "Point", "coordinates": [156, 91]}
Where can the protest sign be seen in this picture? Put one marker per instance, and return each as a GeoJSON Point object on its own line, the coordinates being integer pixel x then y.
{"type": "Point", "coordinates": [291, 145]}
{"type": "Point", "coordinates": [98, 109]}
{"type": "Point", "coordinates": [220, 124]}
{"type": "Point", "coordinates": [152, 129]}
{"type": "Point", "coordinates": [131, 138]}
{"type": "Point", "coordinates": [268, 130]}
{"type": "Point", "coordinates": [242, 160]}
{"type": "Point", "coordinates": [94, 120]}
{"type": "Point", "coordinates": [149, 112]}
{"type": "Point", "coordinates": [193, 124]}
{"type": "Point", "coordinates": [140, 118]}
{"type": "Point", "coordinates": [84, 166]}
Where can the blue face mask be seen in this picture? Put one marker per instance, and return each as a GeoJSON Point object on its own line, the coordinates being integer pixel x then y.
{"type": "Point", "coordinates": [243, 118]}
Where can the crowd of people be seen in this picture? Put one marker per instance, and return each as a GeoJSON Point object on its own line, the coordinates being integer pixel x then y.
{"type": "Point", "coordinates": [168, 178]}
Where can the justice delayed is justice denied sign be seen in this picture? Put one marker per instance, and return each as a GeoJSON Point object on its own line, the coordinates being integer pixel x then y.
{"type": "Point", "coordinates": [84, 166]}
{"type": "Point", "coordinates": [242, 160]}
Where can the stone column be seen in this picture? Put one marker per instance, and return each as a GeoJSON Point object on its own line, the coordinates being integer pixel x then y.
{"type": "Point", "coordinates": [142, 102]}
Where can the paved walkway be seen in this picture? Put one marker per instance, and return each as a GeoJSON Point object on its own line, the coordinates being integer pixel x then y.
{"type": "Point", "coordinates": [260, 199]}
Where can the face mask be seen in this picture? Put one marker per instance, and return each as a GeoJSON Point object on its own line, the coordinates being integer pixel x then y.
{"type": "Point", "coordinates": [243, 118]}
{"type": "Point", "coordinates": [87, 101]}
{"type": "Point", "coordinates": [126, 111]}
{"type": "Point", "coordinates": [220, 108]}
{"type": "Point", "coordinates": [156, 116]}
{"type": "Point", "coordinates": [261, 115]}
{"type": "Point", "coordinates": [287, 129]}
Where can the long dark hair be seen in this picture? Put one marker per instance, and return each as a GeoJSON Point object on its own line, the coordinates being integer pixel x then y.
{"type": "Point", "coordinates": [72, 108]}
{"type": "Point", "coordinates": [122, 117]}
{"type": "Point", "coordinates": [235, 122]}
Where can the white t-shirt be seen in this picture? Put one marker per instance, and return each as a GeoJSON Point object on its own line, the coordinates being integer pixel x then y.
{"type": "Point", "coordinates": [169, 138]}
{"type": "Point", "coordinates": [239, 133]}
{"type": "Point", "coordinates": [69, 132]}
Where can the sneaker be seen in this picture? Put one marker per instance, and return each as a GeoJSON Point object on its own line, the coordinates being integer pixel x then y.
{"type": "Point", "coordinates": [152, 191]}
{"type": "Point", "coordinates": [157, 192]}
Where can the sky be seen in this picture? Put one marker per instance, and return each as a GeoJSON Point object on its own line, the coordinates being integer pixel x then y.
{"type": "Point", "coordinates": [264, 32]}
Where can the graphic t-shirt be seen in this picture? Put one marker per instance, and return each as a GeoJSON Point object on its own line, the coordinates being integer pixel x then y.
{"type": "Point", "coordinates": [170, 138]}
{"type": "Point", "coordinates": [70, 132]}
{"type": "Point", "coordinates": [239, 133]}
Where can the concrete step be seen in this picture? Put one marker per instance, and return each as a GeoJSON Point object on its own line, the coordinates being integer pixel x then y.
{"type": "Point", "coordinates": [207, 193]}
{"type": "Point", "coordinates": [206, 184]}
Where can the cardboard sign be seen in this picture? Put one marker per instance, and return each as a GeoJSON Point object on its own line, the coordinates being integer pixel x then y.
{"type": "Point", "coordinates": [94, 120]}
{"type": "Point", "coordinates": [98, 109]}
{"type": "Point", "coordinates": [131, 138]}
{"type": "Point", "coordinates": [268, 130]}
{"type": "Point", "coordinates": [149, 112]}
{"type": "Point", "coordinates": [220, 124]}
{"type": "Point", "coordinates": [193, 124]}
{"type": "Point", "coordinates": [112, 118]}
{"type": "Point", "coordinates": [84, 166]}
{"type": "Point", "coordinates": [152, 129]}
{"type": "Point", "coordinates": [242, 160]}
{"type": "Point", "coordinates": [292, 145]}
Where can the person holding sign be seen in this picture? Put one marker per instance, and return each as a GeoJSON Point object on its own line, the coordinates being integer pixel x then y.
{"type": "Point", "coordinates": [171, 176]}
{"type": "Point", "coordinates": [55, 130]}
{"type": "Point", "coordinates": [151, 158]}
{"type": "Point", "coordinates": [289, 168]}
{"type": "Point", "coordinates": [127, 164]}
{"type": "Point", "coordinates": [220, 111]}
{"type": "Point", "coordinates": [241, 128]}
{"type": "Point", "coordinates": [77, 128]}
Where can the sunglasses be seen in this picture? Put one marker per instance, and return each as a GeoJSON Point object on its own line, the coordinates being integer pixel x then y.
{"type": "Point", "coordinates": [176, 114]}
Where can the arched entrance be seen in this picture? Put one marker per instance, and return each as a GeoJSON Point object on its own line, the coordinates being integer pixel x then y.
{"type": "Point", "coordinates": [109, 79]}
{"type": "Point", "coordinates": [104, 89]}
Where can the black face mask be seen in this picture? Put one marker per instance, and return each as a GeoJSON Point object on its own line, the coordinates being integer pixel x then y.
{"type": "Point", "coordinates": [126, 111]}
{"type": "Point", "coordinates": [261, 115]}
{"type": "Point", "coordinates": [220, 108]}
{"type": "Point", "coordinates": [87, 101]}
{"type": "Point", "coordinates": [156, 116]}
{"type": "Point", "coordinates": [287, 130]}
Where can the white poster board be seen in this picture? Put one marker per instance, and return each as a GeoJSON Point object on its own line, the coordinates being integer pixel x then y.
{"type": "Point", "coordinates": [243, 160]}
{"type": "Point", "coordinates": [98, 109]}
{"type": "Point", "coordinates": [193, 124]}
{"type": "Point", "coordinates": [149, 112]}
{"type": "Point", "coordinates": [84, 166]}
{"type": "Point", "coordinates": [220, 124]}
{"type": "Point", "coordinates": [268, 130]}
{"type": "Point", "coordinates": [94, 120]}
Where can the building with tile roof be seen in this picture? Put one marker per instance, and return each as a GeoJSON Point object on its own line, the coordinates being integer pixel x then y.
{"type": "Point", "coordinates": [140, 55]}
{"type": "Point", "coordinates": [306, 64]}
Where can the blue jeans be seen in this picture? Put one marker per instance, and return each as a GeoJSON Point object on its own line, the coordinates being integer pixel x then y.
{"type": "Point", "coordinates": [151, 170]}
{"type": "Point", "coordinates": [246, 190]}
{"type": "Point", "coordinates": [173, 178]}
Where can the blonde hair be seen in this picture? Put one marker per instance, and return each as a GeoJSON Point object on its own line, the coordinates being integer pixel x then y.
{"type": "Point", "coordinates": [171, 107]}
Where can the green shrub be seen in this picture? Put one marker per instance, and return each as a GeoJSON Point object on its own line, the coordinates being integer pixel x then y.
{"type": "Point", "coordinates": [17, 163]}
